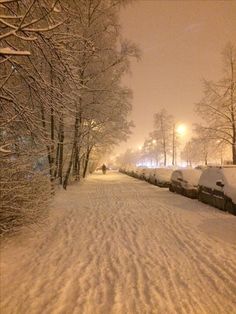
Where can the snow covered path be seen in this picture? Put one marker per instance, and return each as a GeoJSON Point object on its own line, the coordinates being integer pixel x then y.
{"type": "Point", "coordinates": [119, 245]}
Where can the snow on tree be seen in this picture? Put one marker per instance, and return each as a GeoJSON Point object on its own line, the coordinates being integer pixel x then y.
{"type": "Point", "coordinates": [218, 105]}
{"type": "Point", "coordinates": [62, 102]}
{"type": "Point", "coordinates": [102, 105]}
{"type": "Point", "coordinates": [24, 187]}
{"type": "Point", "coordinates": [165, 135]}
{"type": "Point", "coordinates": [204, 149]}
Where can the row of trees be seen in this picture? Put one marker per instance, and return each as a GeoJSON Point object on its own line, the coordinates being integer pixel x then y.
{"type": "Point", "coordinates": [160, 148]}
{"type": "Point", "coordinates": [214, 140]}
{"type": "Point", "coordinates": [62, 102]}
{"type": "Point", "coordinates": [204, 149]}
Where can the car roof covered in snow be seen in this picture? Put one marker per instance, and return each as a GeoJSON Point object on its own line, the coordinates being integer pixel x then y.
{"type": "Point", "coordinates": [225, 174]}
{"type": "Point", "coordinates": [210, 176]}
{"type": "Point", "coordinates": [163, 173]}
{"type": "Point", "coordinates": [229, 178]}
{"type": "Point", "coordinates": [190, 175]}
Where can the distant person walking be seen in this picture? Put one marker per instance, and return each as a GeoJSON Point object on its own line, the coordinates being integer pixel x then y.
{"type": "Point", "coordinates": [104, 169]}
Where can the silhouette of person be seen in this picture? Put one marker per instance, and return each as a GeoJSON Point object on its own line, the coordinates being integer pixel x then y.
{"type": "Point", "coordinates": [104, 169]}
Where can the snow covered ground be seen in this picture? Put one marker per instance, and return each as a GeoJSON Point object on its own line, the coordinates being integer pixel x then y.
{"type": "Point", "coordinates": [119, 245]}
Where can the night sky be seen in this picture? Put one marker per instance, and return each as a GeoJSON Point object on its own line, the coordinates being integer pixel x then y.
{"type": "Point", "coordinates": [181, 43]}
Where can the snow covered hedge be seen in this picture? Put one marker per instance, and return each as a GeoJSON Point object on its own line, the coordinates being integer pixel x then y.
{"type": "Point", "coordinates": [24, 194]}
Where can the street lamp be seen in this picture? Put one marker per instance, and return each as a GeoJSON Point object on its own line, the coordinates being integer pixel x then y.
{"type": "Point", "coordinates": [181, 129]}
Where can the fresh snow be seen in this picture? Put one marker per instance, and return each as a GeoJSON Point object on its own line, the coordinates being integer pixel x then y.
{"type": "Point", "coordinates": [227, 175]}
{"type": "Point", "coordinates": [230, 183]}
{"type": "Point", "coordinates": [210, 176]}
{"type": "Point", "coordinates": [114, 244]}
{"type": "Point", "coordinates": [190, 176]}
{"type": "Point", "coordinates": [163, 174]}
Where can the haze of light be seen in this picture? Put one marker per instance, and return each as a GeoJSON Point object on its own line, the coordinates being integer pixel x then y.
{"type": "Point", "coordinates": [181, 43]}
{"type": "Point", "coordinates": [181, 129]}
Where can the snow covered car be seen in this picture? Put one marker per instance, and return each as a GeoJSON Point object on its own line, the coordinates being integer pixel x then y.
{"type": "Point", "coordinates": [136, 172]}
{"type": "Point", "coordinates": [161, 177]}
{"type": "Point", "coordinates": [121, 169]}
{"type": "Point", "coordinates": [130, 170]}
{"type": "Point", "coordinates": [185, 182]}
{"type": "Point", "coordinates": [217, 187]}
{"type": "Point", "coordinates": [141, 173]}
{"type": "Point", "coordinates": [145, 174]}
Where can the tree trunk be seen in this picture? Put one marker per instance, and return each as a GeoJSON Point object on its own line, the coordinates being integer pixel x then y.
{"type": "Point", "coordinates": [47, 147]}
{"type": "Point", "coordinates": [206, 160]}
{"type": "Point", "coordinates": [75, 162]}
{"type": "Point", "coordinates": [77, 175]}
{"type": "Point", "coordinates": [232, 102]}
{"type": "Point", "coordinates": [74, 147]}
{"type": "Point", "coordinates": [173, 146]}
{"type": "Point", "coordinates": [65, 183]}
{"type": "Point", "coordinates": [234, 133]}
{"type": "Point", "coordinates": [57, 160]}
{"type": "Point", "coordinates": [52, 131]}
{"type": "Point", "coordinates": [77, 138]}
{"type": "Point", "coordinates": [164, 158]}
{"type": "Point", "coordinates": [234, 152]}
{"type": "Point", "coordinates": [86, 162]}
{"type": "Point", "coordinates": [164, 152]}
{"type": "Point", "coordinates": [61, 150]}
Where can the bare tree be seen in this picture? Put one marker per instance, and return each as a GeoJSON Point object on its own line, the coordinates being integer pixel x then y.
{"type": "Point", "coordinates": [218, 106]}
{"type": "Point", "coordinates": [163, 133]}
{"type": "Point", "coordinates": [203, 149]}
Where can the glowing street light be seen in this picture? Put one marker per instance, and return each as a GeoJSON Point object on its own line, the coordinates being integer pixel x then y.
{"type": "Point", "coordinates": [181, 129]}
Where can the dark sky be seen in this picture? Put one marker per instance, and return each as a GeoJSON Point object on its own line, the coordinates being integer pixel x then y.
{"type": "Point", "coordinates": [181, 43]}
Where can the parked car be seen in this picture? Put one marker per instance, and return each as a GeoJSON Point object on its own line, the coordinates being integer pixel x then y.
{"type": "Point", "coordinates": [121, 169]}
{"type": "Point", "coordinates": [130, 170]}
{"type": "Point", "coordinates": [145, 173]}
{"type": "Point", "coordinates": [161, 177]}
{"type": "Point", "coordinates": [217, 187]}
{"type": "Point", "coordinates": [185, 182]}
{"type": "Point", "coordinates": [141, 173]}
{"type": "Point", "coordinates": [137, 172]}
